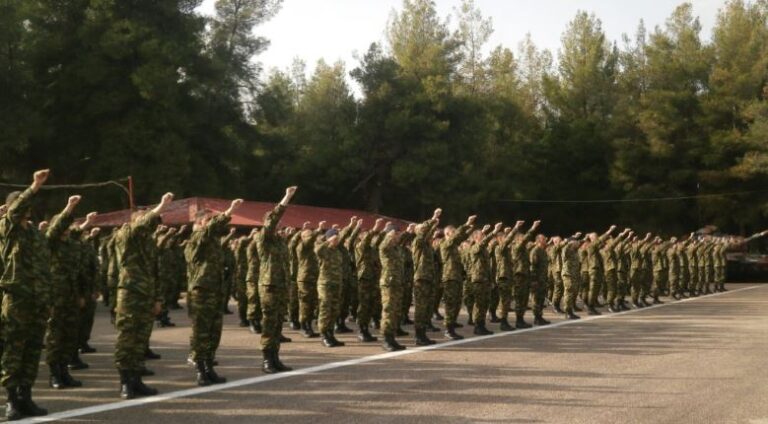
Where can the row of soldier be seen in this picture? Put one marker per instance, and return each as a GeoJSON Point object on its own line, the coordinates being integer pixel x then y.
{"type": "Point", "coordinates": [53, 274]}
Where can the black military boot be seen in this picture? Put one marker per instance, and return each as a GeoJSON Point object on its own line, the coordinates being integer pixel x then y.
{"type": "Point", "coordinates": [520, 321]}
{"type": "Point", "coordinates": [126, 385]}
{"type": "Point", "coordinates": [27, 406]}
{"type": "Point", "coordinates": [284, 339]}
{"type": "Point", "coordinates": [255, 326]}
{"type": "Point", "coordinates": [307, 331]}
{"type": "Point", "coordinates": [67, 379]}
{"type": "Point", "coordinates": [656, 300]}
{"type": "Point", "coordinates": [613, 308]}
{"type": "Point", "coordinates": [376, 324]}
{"type": "Point", "coordinates": [85, 348]}
{"type": "Point", "coordinates": [165, 320]}
{"type": "Point", "coordinates": [77, 364]}
{"type": "Point", "coordinates": [592, 311]}
{"type": "Point", "coordinates": [333, 336]}
{"type": "Point", "coordinates": [556, 307]}
{"type": "Point", "coordinates": [141, 389]}
{"type": "Point", "coordinates": [328, 340]}
{"type": "Point", "coordinates": [437, 316]}
{"type": "Point", "coordinates": [569, 315]}
{"type": "Point", "coordinates": [13, 405]}
{"type": "Point", "coordinates": [450, 333]}
{"type": "Point", "coordinates": [470, 321]}
{"type": "Point", "coordinates": [390, 344]}
{"type": "Point", "coordinates": [243, 323]}
{"type": "Point", "coordinates": [504, 325]}
{"type": "Point", "coordinates": [268, 366]}
{"type": "Point", "coordinates": [281, 367]}
{"type": "Point", "coordinates": [202, 377]}
{"type": "Point", "coordinates": [294, 325]}
{"type": "Point", "coordinates": [458, 325]}
{"type": "Point", "coordinates": [401, 333]}
{"type": "Point", "coordinates": [722, 288]}
{"type": "Point", "coordinates": [421, 337]}
{"type": "Point", "coordinates": [432, 328]}
{"type": "Point", "coordinates": [407, 320]}
{"type": "Point", "coordinates": [365, 335]}
{"type": "Point", "coordinates": [538, 320]}
{"type": "Point", "coordinates": [211, 373]}
{"type": "Point", "coordinates": [146, 372]}
{"type": "Point", "coordinates": [480, 329]}
{"type": "Point", "coordinates": [150, 355]}
{"type": "Point", "coordinates": [54, 380]}
{"type": "Point", "coordinates": [341, 326]}
{"type": "Point", "coordinates": [494, 317]}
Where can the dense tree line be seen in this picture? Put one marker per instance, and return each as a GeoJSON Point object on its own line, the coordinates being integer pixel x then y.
{"type": "Point", "coordinates": [100, 89]}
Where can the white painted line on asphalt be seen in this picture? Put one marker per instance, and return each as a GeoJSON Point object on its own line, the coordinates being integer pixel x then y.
{"type": "Point", "coordinates": [96, 409]}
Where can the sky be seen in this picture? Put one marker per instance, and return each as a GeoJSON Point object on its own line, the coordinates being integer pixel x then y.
{"type": "Point", "coordinates": [343, 29]}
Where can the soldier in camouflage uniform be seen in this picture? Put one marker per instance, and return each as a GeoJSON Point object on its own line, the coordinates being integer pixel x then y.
{"type": "Point", "coordinates": [622, 271]}
{"type": "Point", "coordinates": [25, 284]}
{"type": "Point", "coordinates": [391, 284]}
{"type": "Point", "coordinates": [205, 256]}
{"type": "Point", "coordinates": [539, 276]}
{"type": "Point", "coordinates": [366, 253]}
{"type": "Point", "coordinates": [693, 268]}
{"type": "Point", "coordinates": [453, 274]}
{"type": "Point", "coordinates": [241, 270]}
{"type": "Point", "coordinates": [91, 280]}
{"type": "Point", "coordinates": [67, 297]}
{"type": "Point", "coordinates": [636, 269]}
{"type": "Point", "coordinates": [596, 268]}
{"type": "Point", "coordinates": [479, 273]}
{"type": "Point", "coordinates": [610, 257]}
{"type": "Point", "coordinates": [556, 273]}
{"type": "Point", "coordinates": [138, 298]}
{"type": "Point", "coordinates": [293, 288]}
{"type": "Point", "coordinates": [660, 269]}
{"type": "Point", "coordinates": [330, 279]}
{"type": "Point", "coordinates": [423, 258]}
{"type": "Point", "coordinates": [166, 273]}
{"type": "Point", "coordinates": [408, 282]}
{"type": "Point", "coordinates": [571, 273]}
{"type": "Point", "coordinates": [306, 276]}
{"type": "Point", "coordinates": [521, 273]}
{"type": "Point", "coordinates": [273, 284]}
{"type": "Point", "coordinates": [253, 314]}
{"type": "Point", "coordinates": [502, 254]}
{"type": "Point", "coordinates": [348, 282]}
{"type": "Point", "coordinates": [229, 270]}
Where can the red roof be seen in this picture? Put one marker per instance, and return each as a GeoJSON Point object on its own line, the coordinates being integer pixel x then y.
{"type": "Point", "coordinates": [249, 214]}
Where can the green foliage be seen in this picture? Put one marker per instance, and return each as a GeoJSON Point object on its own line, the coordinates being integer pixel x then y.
{"type": "Point", "coordinates": [101, 89]}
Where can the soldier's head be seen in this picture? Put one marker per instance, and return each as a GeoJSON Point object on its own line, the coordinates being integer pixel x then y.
{"type": "Point", "coordinates": [449, 230]}
{"type": "Point", "coordinates": [477, 236]}
{"type": "Point", "coordinates": [541, 240]}
{"type": "Point", "coordinates": [592, 237]}
{"type": "Point", "coordinates": [332, 237]}
{"type": "Point", "coordinates": [556, 240]}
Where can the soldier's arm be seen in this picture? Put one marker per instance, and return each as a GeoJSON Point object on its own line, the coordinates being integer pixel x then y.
{"type": "Point", "coordinates": [491, 234]}
{"type": "Point", "coordinates": [63, 220]}
{"type": "Point", "coordinates": [270, 224]}
{"type": "Point", "coordinates": [510, 237]}
{"type": "Point", "coordinates": [17, 210]}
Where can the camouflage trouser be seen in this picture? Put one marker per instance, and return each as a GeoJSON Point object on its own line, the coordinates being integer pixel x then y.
{"type": "Point", "coordinates": [595, 281]}
{"type": "Point", "coordinates": [407, 299]}
{"type": "Point", "coordinates": [307, 300]}
{"type": "Point", "coordinates": [685, 278]}
{"type": "Point", "coordinates": [720, 276]}
{"type": "Point", "coordinates": [62, 337]}
{"type": "Point", "coordinates": [366, 301]}
{"type": "Point", "coordinates": [622, 285]}
{"type": "Point", "coordinates": [254, 302]}
{"type": "Point", "coordinates": [702, 278]}
{"type": "Point", "coordinates": [133, 322]}
{"type": "Point", "coordinates": [169, 294]}
{"type": "Point", "coordinates": [481, 291]}
{"type": "Point", "coordinates": [584, 287]}
{"type": "Point", "coordinates": [505, 297]}
{"type": "Point", "coordinates": [377, 311]}
{"type": "Point", "coordinates": [647, 283]}
{"type": "Point", "coordinates": [23, 332]}
{"type": "Point", "coordinates": [611, 284]}
{"type": "Point", "coordinates": [112, 287]}
{"type": "Point", "coordinates": [293, 301]}
{"type": "Point", "coordinates": [329, 307]}
{"type": "Point", "coordinates": [273, 301]}
{"type": "Point", "coordinates": [391, 306]}
{"type": "Point", "coordinates": [241, 295]}
{"type": "Point", "coordinates": [469, 298]}
{"type": "Point", "coordinates": [226, 293]}
{"type": "Point", "coordinates": [353, 298]}
{"type": "Point", "coordinates": [522, 293]}
{"type": "Point", "coordinates": [711, 278]}
{"type": "Point", "coordinates": [437, 296]}
{"type": "Point", "coordinates": [87, 315]}
{"type": "Point", "coordinates": [452, 300]}
{"type": "Point", "coordinates": [539, 291]}
{"type": "Point", "coordinates": [207, 322]}
{"type": "Point", "coordinates": [674, 283]}
{"type": "Point", "coordinates": [635, 282]}
{"type": "Point", "coordinates": [422, 301]}
{"type": "Point", "coordinates": [570, 286]}
{"type": "Point", "coordinates": [348, 287]}
{"type": "Point", "coordinates": [558, 290]}
{"type": "Point", "coordinates": [493, 298]}
{"type": "Point", "coordinates": [659, 283]}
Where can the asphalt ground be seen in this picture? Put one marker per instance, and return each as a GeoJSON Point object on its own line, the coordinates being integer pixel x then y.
{"type": "Point", "coordinates": [701, 360]}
